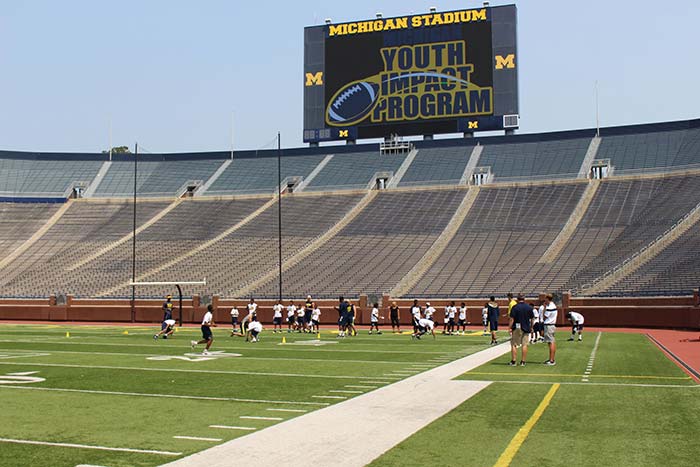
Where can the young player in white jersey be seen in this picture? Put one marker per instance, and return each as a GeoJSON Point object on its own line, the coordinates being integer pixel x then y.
{"type": "Point", "coordinates": [277, 317]}
{"type": "Point", "coordinates": [167, 329]}
{"type": "Point", "coordinates": [254, 330]}
{"type": "Point", "coordinates": [576, 320]}
{"type": "Point", "coordinates": [535, 331]}
{"type": "Point", "coordinates": [291, 315]}
{"type": "Point", "coordinates": [424, 326]}
{"type": "Point", "coordinates": [374, 319]}
{"type": "Point", "coordinates": [485, 319]}
{"type": "Point", "coordinates": [301, 323]}
{"type": "Point", "coordinates": [252, 307]}
{"type": "Point", "coordinates": [451, 315]}
{"type": "Point", "coordinates": [415, 313]}
{"type": "Point", "coordinates": [234, 320]}
{"type": "Point", "coordinates": [462, 319]}
{"type": "Point", "coordinates": [207, 336]}
{"type": "Point", "coordinates": [429, 311]}
{"type": "Point", "coordinates": [315, 318]}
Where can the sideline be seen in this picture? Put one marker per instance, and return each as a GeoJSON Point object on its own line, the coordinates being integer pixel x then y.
{"type": "Point", "coordinates": [88, 446]}
{"type": "Point", "coordinates": [387, 415]}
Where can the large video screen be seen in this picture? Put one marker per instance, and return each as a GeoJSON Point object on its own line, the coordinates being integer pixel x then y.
{"type": "Point", "coordinates": [440, 72]}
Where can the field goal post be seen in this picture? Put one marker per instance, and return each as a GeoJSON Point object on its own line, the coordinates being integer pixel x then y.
{"type": "Point", "coordinates": [176, 284]}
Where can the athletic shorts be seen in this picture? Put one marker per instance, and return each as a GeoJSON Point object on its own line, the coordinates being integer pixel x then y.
{"type": "Point", "coordinates": [537, 327]}
{"type": "Point", "coordinates": [163, 326]}
{"type": "Point", "coordinates": [493, 325]}
{"type": "Point", "coordinates": [374, 323]}
{"type": "Point", "coordinates": [314, 322]}
{"type": "Point", "coordinates": [578, 327]}
{"type": "Point", "coordinates": [549, 330]}
{"type": "Point", "coordinates": [394, 320]}
{"type": "Point", "coordinates": [290, 319]}
{"type": "Point", "coordinates": [254, 333]}
{"type": "Point", "coordinates": [300, 320]}
{"type": "Point", "coordinates": [451, 322]}
{"type": "Point", "coordinates": [234, 321]}
{"type": "Point", "coordinates": [206, 332]}
{"type": "Point", "coordinates": [485, 322]}
{"type": "Point", "coordinates": [519, 338]}
{"type": "Point", "coordinates": [277, 321]}
{"type": "Point", "coordinates": [462, 322]}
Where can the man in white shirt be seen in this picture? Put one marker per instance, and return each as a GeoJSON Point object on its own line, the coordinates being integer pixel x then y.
{"type": "Point", "coordinates": [252, 307]}
{"type": "Point", "coordinates": [207, 336]}
{"type": "Point", "coordinates": [451, 315]}
{"type": "Point", "coordinates": [277, 316]}
{"type": "Point", "coordinates": [315, 318]}
{"type": "Point", "coordinates": [576, 320]}
{"type": "Point", "coordinates": [549, 323]}
{"type": "Point", "coordinates": [485, 319]}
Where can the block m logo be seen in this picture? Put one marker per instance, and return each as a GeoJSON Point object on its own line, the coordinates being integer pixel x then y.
{"type": "Point", "coordinates": [343, 133]}
{"type": "Point", "coordinates": [314, 79]}
{"type": "Point", "coordinates": [505, 62]}
{"type": "Point", "coordinates": [474, 125]}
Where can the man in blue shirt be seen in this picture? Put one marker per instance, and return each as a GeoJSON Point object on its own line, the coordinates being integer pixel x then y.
{"type": "Point", "coordinates": [520, 322]}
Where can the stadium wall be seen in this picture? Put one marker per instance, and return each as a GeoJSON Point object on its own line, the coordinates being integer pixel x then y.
{"type": "Point", "coordinates": [643, 312]}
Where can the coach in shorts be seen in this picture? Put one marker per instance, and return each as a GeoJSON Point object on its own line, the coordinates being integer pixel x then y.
{"type": "Point", "coordinates": [520, 322]}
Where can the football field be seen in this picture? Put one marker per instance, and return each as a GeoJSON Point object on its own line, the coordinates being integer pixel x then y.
{"type": "Point", "coordinates": [113, 396]}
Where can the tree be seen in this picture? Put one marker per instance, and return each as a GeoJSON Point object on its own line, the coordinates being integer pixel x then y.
{"type": "Point", "coordinates": [119, 150]}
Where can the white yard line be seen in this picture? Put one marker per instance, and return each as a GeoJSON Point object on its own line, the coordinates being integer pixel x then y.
{"type": "Point", "coordinates": [183, 344]}
{"type": "Point", "coordinates": [287, 410]}
{"type": "Point", "coordinates": [375, 382]}
{"type": "Point", "coordinates": [197, 438]}
{"type": "Point", "coordinates": [180, 370]}
{"type": "Point", "coordinates": [227, 427]}
{"type": "Point", "coordinates": [345, 391]}
{"type": "Point", "coordinates": [357, 386]}
{"type": "Point", "coordinates": [88, 446]}
{"type": "Point", "coordinates": [329, 397]}
{"type": "Point", "coordinates": [251, 417]}
{"type": "Point", "coordinates": [167, 396]}
{"type": "Point", "coordinates": [591, 359]}
{"type": "Point", "coordinates": [387, 416]}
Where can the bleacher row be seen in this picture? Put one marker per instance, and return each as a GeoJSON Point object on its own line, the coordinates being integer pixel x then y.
{"type": "Point", "coordinates": [498, 247]}
{"type": "Point", "coordinates": [646, 148]}
{"type": "Point", "coordinates": [361, 244]}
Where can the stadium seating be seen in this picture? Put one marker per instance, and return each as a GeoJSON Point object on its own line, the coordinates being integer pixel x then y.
{"type": "Point", "coordinates": [154, 178]}
{"type": "Point", "coordinates": [506, 231]}
{"type": "Point", "coordinates": [499, 246]}
{"type": "Point", "coordinates": [354, 170]}
{"type": "Point", "coordinates": [373, 252]}
{"type": "Point", "coordinates": [559, 158]}
{"type": "Point", "coordinates": [37, 174]}
{"type": "Point", "coordinates": [252, 174]}
{"type": "Point", "coordinates": [437, 166]}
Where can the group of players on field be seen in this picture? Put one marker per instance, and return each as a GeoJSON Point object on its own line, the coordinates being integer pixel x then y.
{"type": "Point", "coordinates": [306, 319]}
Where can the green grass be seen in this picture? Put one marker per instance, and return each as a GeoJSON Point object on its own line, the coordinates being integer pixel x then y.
{"type": "Point", "coordinates": [103, 388]}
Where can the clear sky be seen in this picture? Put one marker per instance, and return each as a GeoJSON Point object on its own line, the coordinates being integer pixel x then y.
{"type": "Point", "coordinates": [170, 74]}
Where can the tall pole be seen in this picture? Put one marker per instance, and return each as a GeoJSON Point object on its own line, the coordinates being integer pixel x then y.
{"type": "Point", "coordinates": [232, 122]}
{"type": "Point", "coordinates": [133, 239]}
{"type": "Point", "coordinates": [597, 120]}
{"type": "Point", "coordinates": [279, 208]}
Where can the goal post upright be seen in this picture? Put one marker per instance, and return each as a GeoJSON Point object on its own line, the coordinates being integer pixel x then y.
{"type": "Point", "coordinates": [177, 284]}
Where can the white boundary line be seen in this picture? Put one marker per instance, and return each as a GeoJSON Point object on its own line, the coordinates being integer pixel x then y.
{"type": "Point", "coordinates": [591, 360]}
{"type": "Point", "coordinates": [87, 446]}
{"type": "Point", "coordinates": [634, 385]}
{"type": "Point", "coordinates": [252, 417]}
{"type": "Point", "coordinates": [181, 370]}
{"type": "Point", "coordinates": [227, 427]}
{"type": "Point", "coordinates": [196, 438]}
{"type": "Point", "coordinates": [167, 396]}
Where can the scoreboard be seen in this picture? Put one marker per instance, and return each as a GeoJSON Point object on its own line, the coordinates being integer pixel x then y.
{"type": "Point", "coordinates": [440, 72]}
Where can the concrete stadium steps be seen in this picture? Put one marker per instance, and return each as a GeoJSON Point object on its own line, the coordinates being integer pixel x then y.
{"type": "Point", "coordinates": [506, 231]}
{"type": "Point", "coordinates": [354, 170]}
{"type": "Point", "coordinates": [376, 250]}
{"type": "Point", "coordinates": [85, 227]}
{"type": "Point", "coordinates": [27, 173]}
{"type": "Point", "coordinates": [252, 250]}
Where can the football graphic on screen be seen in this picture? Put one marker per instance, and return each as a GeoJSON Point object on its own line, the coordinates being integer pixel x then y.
{"type": "Point", "coordinates": [352, 103]}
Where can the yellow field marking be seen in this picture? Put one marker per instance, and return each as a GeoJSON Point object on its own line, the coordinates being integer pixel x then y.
{"type": "Point", "coordinates": [578, 376]}
{"type": "Point", "coordinates": [519, 438]}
